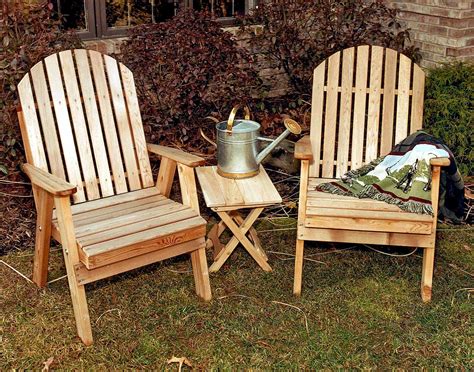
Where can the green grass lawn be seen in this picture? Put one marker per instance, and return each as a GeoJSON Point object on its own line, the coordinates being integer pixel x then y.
{"type": "Point", "coordinates": [359, 309]}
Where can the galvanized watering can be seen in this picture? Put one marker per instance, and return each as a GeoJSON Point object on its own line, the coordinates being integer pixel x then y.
{"type": "Point", "coordinates": [237, 144]}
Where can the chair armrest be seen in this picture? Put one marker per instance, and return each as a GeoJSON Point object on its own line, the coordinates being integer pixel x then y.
{"type": "Point", "coordinates": [440, 162]}
{"type": "Point", "coordinates": [303, 149]}
{"type": "Point", "coordinates": [177, 155]}
{"type": "Point", "coordinates": [48, 182]}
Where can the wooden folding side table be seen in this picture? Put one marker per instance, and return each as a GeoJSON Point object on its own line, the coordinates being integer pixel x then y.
{"type": "Point", "coordinates": [226, 197]}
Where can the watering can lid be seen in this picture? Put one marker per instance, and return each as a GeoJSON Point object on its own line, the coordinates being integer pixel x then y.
{"type": "Point", "coordinates": [240, 126]}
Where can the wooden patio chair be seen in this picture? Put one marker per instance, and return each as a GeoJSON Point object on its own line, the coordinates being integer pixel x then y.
{"type": "Point", "coordinates": [364, 101]}
{"type": "Point", "coordinates": [92, 181]}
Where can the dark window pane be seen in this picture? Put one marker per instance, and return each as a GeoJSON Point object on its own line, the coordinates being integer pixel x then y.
{"type": "Point", "coordinates": [221, 8]}
{"type": "Point", "coordinates": [72, 13]}
{"type": "Point", "coordinates": [165, 9]}
{"type": "Point", "coordinates": [126, 13]}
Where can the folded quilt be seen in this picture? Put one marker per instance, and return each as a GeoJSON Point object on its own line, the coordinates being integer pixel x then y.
{"type": "Point", "coordinates": [403, 178]}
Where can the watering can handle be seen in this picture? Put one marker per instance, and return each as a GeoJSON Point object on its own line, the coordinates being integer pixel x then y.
{"type": "Point", "coordinates": [230, 121]}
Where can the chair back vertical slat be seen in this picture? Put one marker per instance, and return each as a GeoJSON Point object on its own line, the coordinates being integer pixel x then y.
{"type": "Point", "coordinates": [64, 125]}
{"type": "Point", "coordinates": [30, 128]}
{"type": "Point", "coordinates": [123, 124]}
{"type": "Point", "coordinates": [48, 121]}
{"type": "Point", "coordinates": [93, 121]}
{"type": "Point", "coordinates": [108, 122]}
{"type": "Point", "coordinates": [136, 126]}
{"type": "Point", "coordinates": [330, 115]}
{"type": "Point", "coordinates": [79, 125]}
{"type": "Point", "coordinates": [360, 101]}
{"type": "Point", "coordinates": [345, 111]}
{"type": "Point", "coordinates": [317, 117]}
{"type": "Point", "coordinates": [388, 100]}
{"type": "Point", "coordinates": [373, 114]}
{"type": "Point", "coordinates": [418, 96]}
{"type": "Point", "coordinates": [403, 98]}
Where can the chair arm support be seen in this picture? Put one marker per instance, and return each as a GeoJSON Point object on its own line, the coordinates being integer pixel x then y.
{"type": "Point", "coordinates": [187, 183]}
{"type": "Point", "coordinates": [436, 163]}
{"type": "Point", "coordinates": [440, 162]}
{"type": "Point", "coordinates": [177, 155]}
{"type": "Point", "coordinates": [48, 182]}
{"type": "Point", "coordinates": [303, 149]}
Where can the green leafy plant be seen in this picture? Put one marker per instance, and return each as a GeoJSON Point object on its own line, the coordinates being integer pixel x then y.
{"type": "Point", "coordinates": [28, 33]}
{"type": "Point", "coordinates": [449, 110]}
{"type": "Point", "coordinates": [297, 35]}
{"type": "Point", "coordinates": [186, 69]}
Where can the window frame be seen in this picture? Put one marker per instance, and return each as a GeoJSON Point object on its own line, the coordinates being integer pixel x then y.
{"type": "Point", "coordinates": [96, 20]}
{"type": "Point", "coordinates": [89, 13]}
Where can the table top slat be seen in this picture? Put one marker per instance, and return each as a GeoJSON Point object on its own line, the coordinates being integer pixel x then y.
{"type": "Point", "coordinates": [239, 193]}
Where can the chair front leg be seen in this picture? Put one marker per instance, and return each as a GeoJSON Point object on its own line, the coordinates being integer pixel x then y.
{"type": "Point", "coordinates": [304, 177]}
{"type": "Point", "coordinates": [429, 253]}
{"type": "Point", "coordinates": [201, 274]}
{"type": "Point", "coordinates": [44, 203]}
{"type": "Point", "coordinates": [71, 258]}
{"type": "Point", "coordinates": [427, 274]}
{"type": "Point", "coordinates": [187, 182]}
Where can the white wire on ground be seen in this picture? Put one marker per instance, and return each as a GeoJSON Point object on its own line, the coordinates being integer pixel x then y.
{"type": "Point", "coordinates": [57, 279]}
{"type": "Point", "coordinates": [390, 254]}
{"type": "Point", "coordinates": [292, 257]}
{"type": "Point", "coordinates": [15, 270]}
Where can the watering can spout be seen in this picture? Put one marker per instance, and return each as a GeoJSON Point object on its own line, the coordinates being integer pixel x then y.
{"type": "Point", "coordinates": [291, 127]}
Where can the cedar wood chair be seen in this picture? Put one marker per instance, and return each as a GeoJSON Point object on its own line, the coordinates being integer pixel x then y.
{"type": "Point", "coordinates": [364, 101]}
{"type": "Point", "coordinates": [94, 193]}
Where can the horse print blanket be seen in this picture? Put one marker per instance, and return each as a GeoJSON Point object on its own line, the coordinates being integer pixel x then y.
{"type": "Point", "coordinates": [403, 178]}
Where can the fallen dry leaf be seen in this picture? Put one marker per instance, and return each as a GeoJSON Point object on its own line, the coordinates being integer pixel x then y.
{"type": "Point", "coordinates": [181, 361]}
{"type": "Point", "coordinates": [47, 364]}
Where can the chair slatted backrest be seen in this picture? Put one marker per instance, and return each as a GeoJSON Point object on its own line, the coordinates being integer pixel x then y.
{"type": "Point", "coordinates": [80, 120]}
{"type": "Point", "coordinates": [364, 101]}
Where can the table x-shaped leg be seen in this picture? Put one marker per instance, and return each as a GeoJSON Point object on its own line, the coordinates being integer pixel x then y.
{"type": "Point", "coordinates": [213, 238]}
{"type": "Point", "coordinates": [240, 236]}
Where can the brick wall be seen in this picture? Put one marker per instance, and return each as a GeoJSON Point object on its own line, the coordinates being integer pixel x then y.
{"type": "Point", "coordinates": [442, 29]}
{"type": "Point", "coordinates": [106, 46]}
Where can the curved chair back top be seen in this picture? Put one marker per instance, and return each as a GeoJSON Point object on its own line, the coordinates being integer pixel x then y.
{"type": "Point", "coordinates": [80, 121]}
